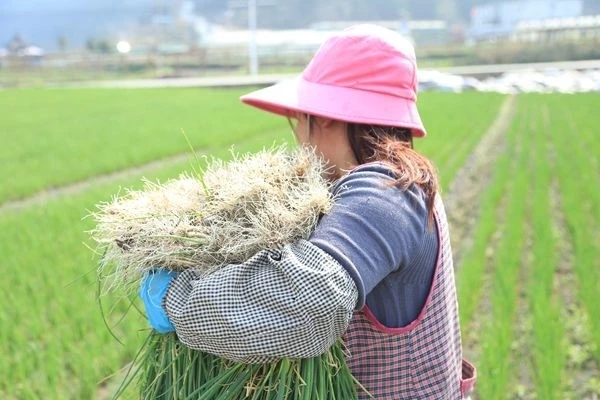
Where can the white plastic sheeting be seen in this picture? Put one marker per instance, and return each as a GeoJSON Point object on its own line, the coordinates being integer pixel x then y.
{"type": "Point", "coordinates": [544, 81]}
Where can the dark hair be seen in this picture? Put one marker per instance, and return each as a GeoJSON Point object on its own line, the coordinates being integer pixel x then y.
{"type": "Point", "coordinates": [394, 146]}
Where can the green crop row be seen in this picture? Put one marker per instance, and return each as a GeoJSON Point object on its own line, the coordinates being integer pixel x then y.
{"type": "Point", "coordinates": [573, 132]}
{"type": "Point", "coordinates": [472, 268]}
{"type": "Point", "coordinates": [548, 353]}
{"type": "Point", "coordinates": [53, 137]}
{"type": "Point", "coordinates": [508, 281]}
{"type": "Point", "coordinates": [497, 336]}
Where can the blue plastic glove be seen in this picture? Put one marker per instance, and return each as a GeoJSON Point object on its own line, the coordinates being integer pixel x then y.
{"type": "Point", "coordinates": [152, 291]}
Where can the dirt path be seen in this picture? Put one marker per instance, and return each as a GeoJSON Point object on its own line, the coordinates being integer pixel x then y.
{"type": "Point", "coordinates": [80, 186]}
{"type": "Point", "coordinates": [463, 195]}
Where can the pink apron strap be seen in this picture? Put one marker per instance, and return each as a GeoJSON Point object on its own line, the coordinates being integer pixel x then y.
{"type": "Point", "coordinates": [469, 376]}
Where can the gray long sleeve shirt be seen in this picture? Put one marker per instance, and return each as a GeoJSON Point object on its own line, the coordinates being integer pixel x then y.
{"type": "Point", "coordinates": [381, 236]}
{"type": "Point", "coordinates": [374, 248]}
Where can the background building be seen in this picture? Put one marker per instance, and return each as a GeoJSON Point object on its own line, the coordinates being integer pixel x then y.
{"type": "Point", "coordinates": [499, 20]}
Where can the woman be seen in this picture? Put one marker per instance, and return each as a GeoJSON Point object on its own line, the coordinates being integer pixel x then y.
{"type": "Point", "coordinates": [378, 268]}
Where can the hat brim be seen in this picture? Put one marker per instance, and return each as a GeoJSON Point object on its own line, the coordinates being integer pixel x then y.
{"type": "Point", "coordinates": [342, 103]}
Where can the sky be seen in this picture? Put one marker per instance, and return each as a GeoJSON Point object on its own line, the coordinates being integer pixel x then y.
{"type": "Point", "coordinates": [42, 22]}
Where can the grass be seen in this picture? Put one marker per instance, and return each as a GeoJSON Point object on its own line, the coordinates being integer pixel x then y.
{"type": "Point", "coordinates": [54, 137]}
{"type": "Point", "coordinates": [574, 136]}
{"type": "Point", "coordinates": [77, 134]}
{"type": "Point", "coordinates": [498, 333]}
{"type": "Point", "coordinates": [509, 283]}
{"type": "Point", "coordinates": [471, 271]}
{"type": "Point", "coordinates": [547, 342]}
{"type": "Point", "coordinates": [39, 76]}
{"type": "Point", "coordinates": [453, 129]}
{"type": "Point", "coordinates": [52, 338]}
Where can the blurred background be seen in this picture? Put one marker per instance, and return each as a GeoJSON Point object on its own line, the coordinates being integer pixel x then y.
{"type": "Point", "coordinates": [58, 41]}
{"type": "Point", "coordinates": [96, 94]}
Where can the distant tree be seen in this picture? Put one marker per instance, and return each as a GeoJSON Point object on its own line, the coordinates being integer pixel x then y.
{"type": "Point", "coordinates": [104, 46]}
{"type": "Point", "coordinates": [16, 43]}
{"type": "Point", "coordinates": [62, 43]}
{"type": "Point", "coordinates": [98, 45]}
{"type": "Point", "coordinates": [90, 45]}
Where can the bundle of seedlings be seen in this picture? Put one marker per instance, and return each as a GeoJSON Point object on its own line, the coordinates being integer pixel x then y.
{"type": "Point", "coordinates": [223, 215]}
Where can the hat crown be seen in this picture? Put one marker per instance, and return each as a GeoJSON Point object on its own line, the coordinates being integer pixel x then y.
{"type": "Point", "coordinates": [366, 57]}
{"type": "Point", "coordinates": [366, 74]}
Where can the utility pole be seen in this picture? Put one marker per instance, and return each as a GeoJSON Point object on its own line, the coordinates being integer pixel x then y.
{"type": "Point", "coordinates": [252, 50]}
{"type": "Point", "coordinates": [252, 6]}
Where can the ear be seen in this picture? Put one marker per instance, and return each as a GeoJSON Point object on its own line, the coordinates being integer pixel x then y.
{"type": "Point", "coordinates": [326, 123]}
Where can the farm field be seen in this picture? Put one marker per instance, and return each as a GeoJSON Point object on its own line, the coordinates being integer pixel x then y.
{"type": "Point", "coordinates": [528, 281]}
{"type": "Point", "coordinates": [527, 274]}
{"type": "Point", "coordinates": [53, 137]}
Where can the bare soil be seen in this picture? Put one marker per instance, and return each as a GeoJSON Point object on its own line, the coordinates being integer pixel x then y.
{"type": "Point", "coordinates": [74, 188]}
{"type": "Point", "coordinates": [463, 194]}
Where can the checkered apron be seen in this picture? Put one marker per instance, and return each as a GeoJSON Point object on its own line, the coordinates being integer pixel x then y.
{"type": "Point", "coordinates": [421, 361]}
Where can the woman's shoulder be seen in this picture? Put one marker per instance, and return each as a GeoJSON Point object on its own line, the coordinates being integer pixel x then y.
{"type": "Point", "coordinates": [375, 167]}
{"type": "Point", "coordinates": [366, 173]}
{"type": "Point", "coordinates": [378, 176]}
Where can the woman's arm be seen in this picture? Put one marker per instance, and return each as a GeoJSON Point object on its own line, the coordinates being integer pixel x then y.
{"type": "Point", "coordinates": [298, 301]}
{"type": "Point", "coordinates": [291, 303]}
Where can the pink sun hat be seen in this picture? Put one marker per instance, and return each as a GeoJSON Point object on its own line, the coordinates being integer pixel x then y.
{"type": "Point", "coordinates": [366, 74]}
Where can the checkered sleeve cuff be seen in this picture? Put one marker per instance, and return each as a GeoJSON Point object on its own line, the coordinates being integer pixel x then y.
{"type": "Point", "coordinates": [294, 302]}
